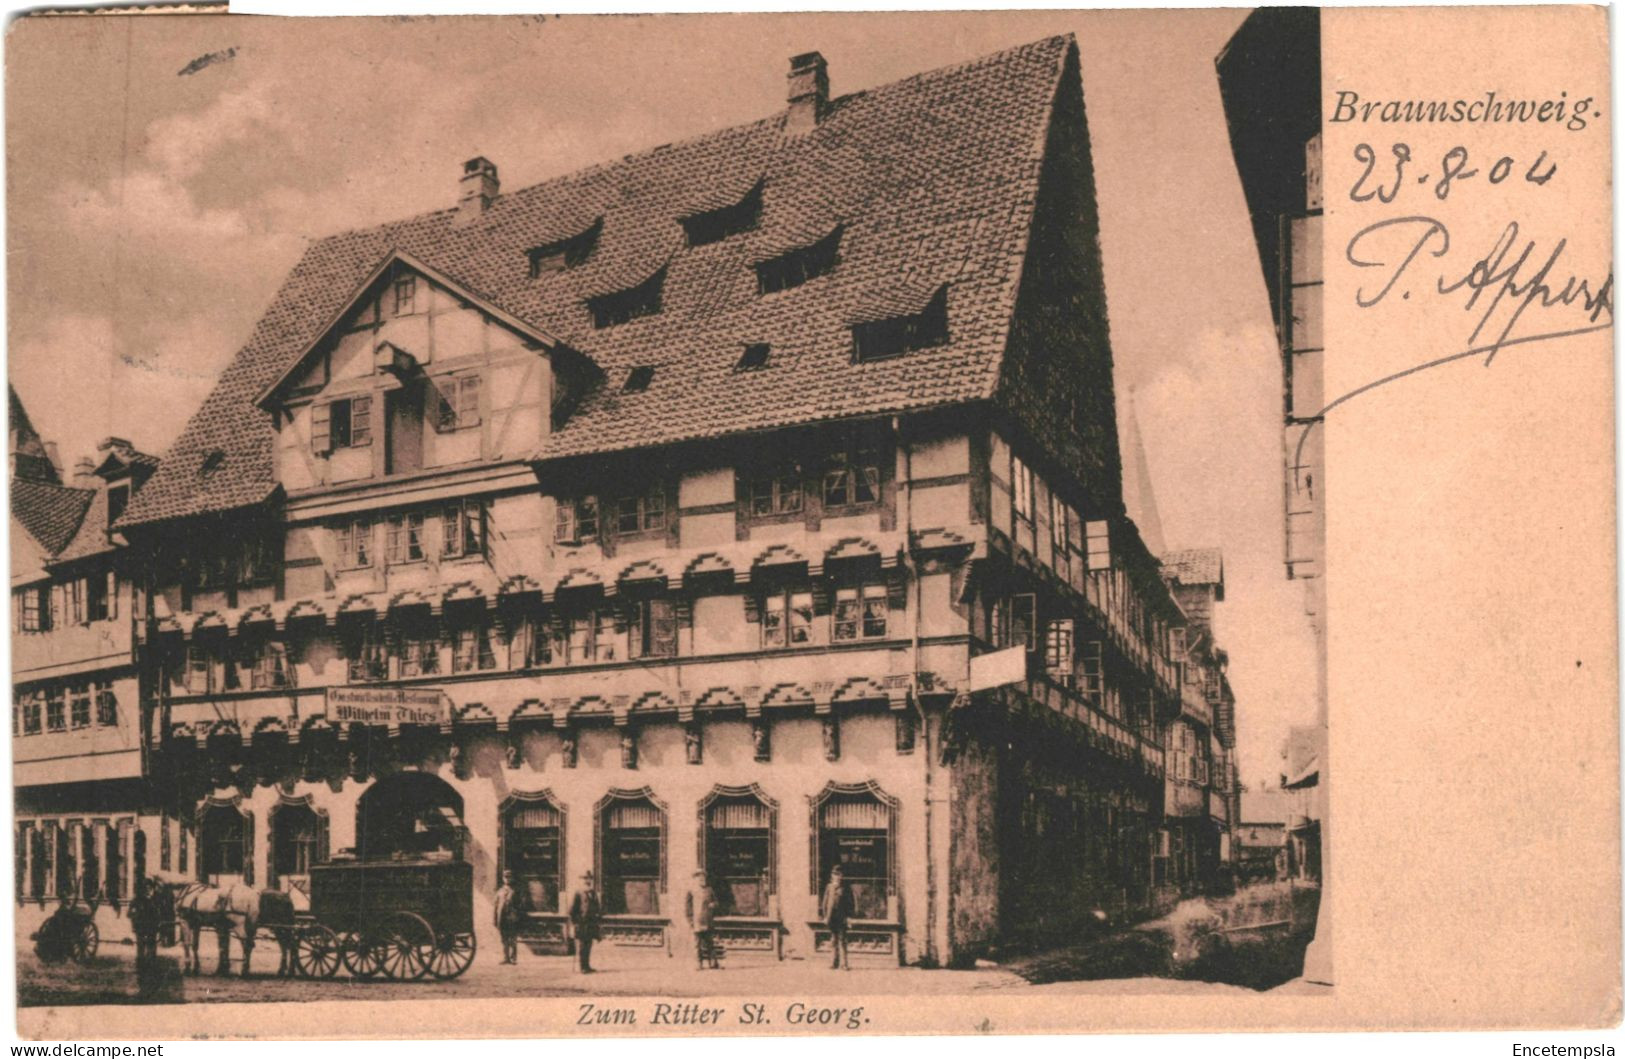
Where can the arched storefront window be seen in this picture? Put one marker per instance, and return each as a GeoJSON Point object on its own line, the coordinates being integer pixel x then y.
{"type": "Point", "coordinates": [855, 826]}
{"type": "Point", "coordinates": [67, 861]}
{"type": "Point", "coordinates": [39, 861]}
{"type": "Point", "coordinates": [632, 852]}
{"type": "Point", "coordinates": [410, 814]}
{"type": "Point", "coordinates": [737, 847]}
{"type": "Point", "coordinates": [298, 843]}
{"type": "Point", "coordinates": [533, 849]}
{"type": "Point", "coordinates": [225, 835]}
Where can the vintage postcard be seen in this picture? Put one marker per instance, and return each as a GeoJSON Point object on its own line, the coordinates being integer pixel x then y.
{"type": "Point", "coordinates": [1014, 522]}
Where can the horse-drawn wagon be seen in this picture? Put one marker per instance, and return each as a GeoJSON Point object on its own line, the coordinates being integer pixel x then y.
{"type": "Point", "coordinates": [398, 919]}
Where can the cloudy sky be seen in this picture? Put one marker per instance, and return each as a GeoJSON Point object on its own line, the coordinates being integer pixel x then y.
{"type": "Point", "coordinates": [153, 213]}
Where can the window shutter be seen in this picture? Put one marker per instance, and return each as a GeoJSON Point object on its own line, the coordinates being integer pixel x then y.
{"type": "Point", "coordinates": [360, 421]}
{"type": "Point", "coordinates": [821, 599]}
{"type": "Point", "coordinates": [897, 594]}
{"type": "Point", "coordinates": [112, 595]}
{"type": "Point", "coordinates": [321, 428]}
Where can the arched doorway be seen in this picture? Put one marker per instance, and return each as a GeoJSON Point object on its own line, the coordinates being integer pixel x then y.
{"type": "Point", "coordinates": [410, 814]}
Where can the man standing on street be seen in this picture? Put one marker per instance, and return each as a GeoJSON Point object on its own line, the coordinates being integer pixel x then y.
{"type": "Point", "coordinates": [701, 909]}
{"type": "Point", "coordinates": [586, 911]}
{"type": "Point", "coordinates": [837, 908]}
{"type": "Point", "coordinates": [506, 911]}
{"type": "Point", "coordinates": [144, 921]}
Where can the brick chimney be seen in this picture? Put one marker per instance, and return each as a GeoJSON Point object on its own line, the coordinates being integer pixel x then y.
{"type": "Point", "coordinates": [809, 92]}
{"type": "Point", "coordinates": [480, 188]}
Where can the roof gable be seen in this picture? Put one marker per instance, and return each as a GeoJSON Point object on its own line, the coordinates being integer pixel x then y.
{"type": "Point", "coordinates": [406, 329]}
{"type": "Point", "coordinates": [931, 181]}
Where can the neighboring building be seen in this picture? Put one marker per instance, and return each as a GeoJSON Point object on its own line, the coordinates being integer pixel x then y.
{"type": "Point", "coordinates": [1269, 80]}
{"type": "Point", "coordinates": [1301, 780]}
{"type": "Point", "coordinates": [647, 520]}
{"type": "Point", "coordinates": [75, 714]}
{"type": "Point", "coordinates": [1261, 834]}
{"type": "Point", "coordinates": [1201, 740]}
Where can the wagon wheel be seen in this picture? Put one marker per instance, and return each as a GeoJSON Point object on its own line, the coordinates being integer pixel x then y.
{"type": "Point", "coordinates": [317, 952]}
{"type": "Point", "coordinates": [452, 954]}
{"type": "Point", "coordinates": [407, 942]}
{"type": "Point", "coordinates": [82, 945]}
{"type": "Point", "coordinates": [363, 953]}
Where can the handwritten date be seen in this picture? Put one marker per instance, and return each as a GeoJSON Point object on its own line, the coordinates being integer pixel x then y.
{"type": "Point", "coordinates": [1453, 168]}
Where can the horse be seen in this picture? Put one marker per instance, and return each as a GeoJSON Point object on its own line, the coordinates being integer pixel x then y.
{"type": "Point", "coordinates": [228, 910]}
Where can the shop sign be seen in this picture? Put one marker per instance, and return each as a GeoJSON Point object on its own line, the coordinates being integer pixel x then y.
{"type": "Point", "coordinates": [350, 705]}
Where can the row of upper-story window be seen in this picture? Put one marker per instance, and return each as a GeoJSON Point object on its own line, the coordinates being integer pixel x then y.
{"type": "Point", "coordinates": [1188, 756]}
{"type": "Point", "coordinates": [453, 404]}
{"type": "Point", "coordinates": [59, 706]}
{"type": "Point", "coordinates": [63, 604]}
{"type": "Point", "coordinates": [788, 617]}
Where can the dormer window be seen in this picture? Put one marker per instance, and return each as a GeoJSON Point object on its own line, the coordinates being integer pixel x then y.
{"type": "Point", "coordinates": [796, 267]}
{"type": "Point", "coordinates": [622, 306]}
{"type": "Point", "coordinates": [118, 498]}
{"type": "Point", "coordinates": [897, 335]}
{"type": "Point", "coordinates": [341, 424]}
{"type": "Point", "coordinates": [755, 356]}
{"type": "Point", "coordinates": [564, 253]}
{"type": "Point", "coordinates": [638, 379]}
{"type": "Point", "coordinates": [713, 226]}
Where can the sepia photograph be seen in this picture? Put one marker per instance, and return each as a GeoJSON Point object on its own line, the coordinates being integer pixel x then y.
{"type": "Point", "coordinates": [808, 506]}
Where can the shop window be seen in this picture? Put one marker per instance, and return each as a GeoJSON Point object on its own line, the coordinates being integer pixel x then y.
{"type": "Point", "coordinates": [533, 849]}
{"type": "Point", "coordinates": [67, 860]}
{"type": "Point", "coordinates": [341, 424]}
{"type": "Point", "coordinates": [633, 830]}
{"type": "Point", "coordinates": [852, 477]}
{"type": "Point", "coordinates": [577, 520]}
{"type": "Point", "coordinates": [410, 814]}
{"type": "Point", "coordinates": [787, 617]}
{"type": "Point", "coordinates": [738, 836]}
{"type": "Point", "coordinates": [776, 493]}
{"type": "Point", "coordinates": [457, 403]}
{"type": "Point", "coordinates": [856, 829]}
{"type": "Point", "coordinates": [860, 613]}
{"type": "Point", "coordinates": [298, 841]}
{"type": "Point", "coordinates": [223, 838]}
{"type": "Point", "coordinates": [652, 627]}
{"type": "Point", "coordinates": [403, 538]}
{"type": "Point", "coordinates": [79, 705]}
{"type": "Point", "coordinates": [56, 718]}
{"type": "Point", "coordinates": [641, 512]}
{"type": "Point", "coordinates": [463, 529]}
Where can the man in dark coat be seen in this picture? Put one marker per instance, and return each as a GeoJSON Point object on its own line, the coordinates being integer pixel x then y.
{"type": "Point", "coordinates": [145, 919]}
{"type": "Point", "coordinates": [506, 909]}
{"type": "Point", "coordinates": [837, 908]}
{"type": "Point", "coordinates": [701, 909]}
{"type": "Point", "coordinates": [586, 913]}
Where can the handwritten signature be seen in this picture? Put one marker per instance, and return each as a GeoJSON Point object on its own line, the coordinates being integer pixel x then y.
{"type": "Point", "coordinates": [1515, 281]}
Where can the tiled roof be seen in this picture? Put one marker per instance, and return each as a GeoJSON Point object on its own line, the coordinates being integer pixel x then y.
{"type": "Point", "coordinates": [1195, 566]}
{"type": "Point", "coordinates": [934, 179]}
{"type": "Point", "coordinates": [91, 537]}
{"type": "Point", "coordinates": [50, 513]}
